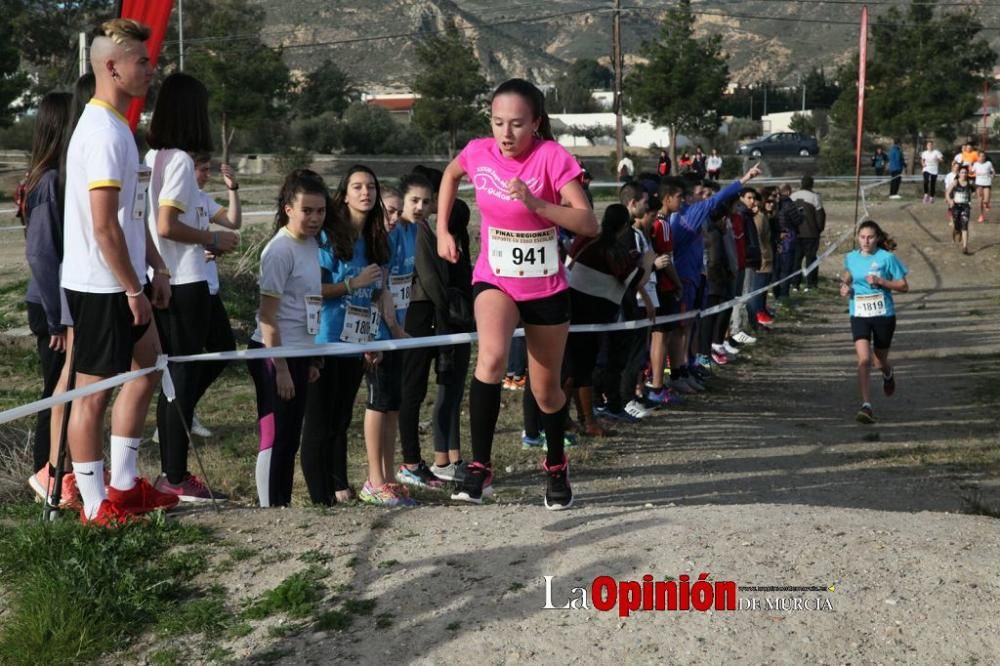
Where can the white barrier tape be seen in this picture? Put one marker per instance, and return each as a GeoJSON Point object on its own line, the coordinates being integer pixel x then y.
{"type": "Point", "coordinates": [68, 396]}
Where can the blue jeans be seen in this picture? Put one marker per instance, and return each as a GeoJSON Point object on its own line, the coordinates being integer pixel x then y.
{"type": "Point", "coordinates": [517, 362]}
{"type": "Point", "coordinates": [757, 303]}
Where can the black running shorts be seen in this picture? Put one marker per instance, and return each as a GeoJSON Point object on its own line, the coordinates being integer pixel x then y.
{"type": "Point", "coordinates": [547, 311]}
{"type": "Point", "coordinates": [103, 334]}
{"type": "Point", "coordinates": [877, 330]}
{"type": "Point", "coordinates": [385, 383]}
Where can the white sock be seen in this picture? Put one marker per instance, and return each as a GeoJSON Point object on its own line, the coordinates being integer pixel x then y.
{"type": "Point", "coordinates": [90, 482]}
{"type": "Point", "coordinates": [124, 457]}
{"type": "Point", "coordinates": [263, 474]}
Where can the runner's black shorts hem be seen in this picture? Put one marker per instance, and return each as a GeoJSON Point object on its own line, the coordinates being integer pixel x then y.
{"type": "Point", "coordinates": [547, 311]}
{"type": "Point", "coordinates": [877, 330]}
{"type": "Point", "coordinates": [103, 335]}
{"type": "Point", "coordinates": [385, 383]}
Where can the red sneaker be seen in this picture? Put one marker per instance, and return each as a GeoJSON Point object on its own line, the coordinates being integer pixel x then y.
{"type": "Point", "coordinates": [110, 516]}
{"type": "Point", "coordinates": [191, 489]}
{"type": "Point", "coordinates": [141, 498]}
{"type": "Point", "coordinates": [44, 486]}
{"type": "Point", "coordinates": [764, 319]}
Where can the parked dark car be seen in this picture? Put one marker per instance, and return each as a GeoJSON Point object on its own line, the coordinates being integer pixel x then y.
{"type": "Point", "coordinates": [781, 143]}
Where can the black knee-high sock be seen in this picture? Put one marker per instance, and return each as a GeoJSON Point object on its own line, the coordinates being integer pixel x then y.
{"type": "Point", "coordinates": [555, 432]}
{"type": "Point", "coordinates": [532, 414]}
{"type": "Point", "coordinates": [484, 409]}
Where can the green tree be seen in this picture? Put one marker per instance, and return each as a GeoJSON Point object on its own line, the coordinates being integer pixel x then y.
{"type": "Point", "coordinates": [13, 82]}
{"type": "Point", "coordinates": [450, 84]}
{"type": "Point", "coordinates": [248, 81]}
{"type": "Point", "coordinates": [47, 36]}
{"type": "Point", "coordinates": [325, 89]}
{"type": "Point", "coordinates": [682, 81]}
{"type": "Point", "coordinates": [821, 92]}
{"type": "Point", "coordinates": [572, 93]}
{"type": "Point", "coordinates": [925, 72]}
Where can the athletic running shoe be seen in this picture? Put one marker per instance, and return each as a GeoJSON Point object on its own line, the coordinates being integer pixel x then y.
{"type": "Point", "coordinates": [895, 196]}
{"type": "Point", "coordinates": [694, 382]}
{"type": "Point", "coordinates": [721, 359]}
{"type": "Point", "coordinates": [508, 383]}
{"type": "Point", "coordinates": [730, 349]}
{"type": "Point", "coordinates": [191, 489]}
{"type": "Point", "coordinates": [805, 289]}
{"type": "Point", "coordinates": [670, 397]}
{"type": "Point", "coordinates": [110, 516]}
{"type": "Point", "coordinates": [420, 477]}
{"type": "Point", "coordinates": [680, 385]}
{"type": "Point", "coordinates": [388, 494]}
{"type": "Point", "coordinates": [926, 199]}
{"type": "Point", "coordinates": [449, 472]}
{"type": "Point", "coordinates": [703, 366]}
{"type": "Point", "coordinates": [865, 414]}
{"type": "Point", "coordinates": [44, 485]}
{"type": "Point", "coordinates": [532, 442]}
{"type": "Point", "coordinates": [198, 428]}
{"type": "Point", "coordinates": [569, 441]}
{"type": "Point", "coordinates": [558, 493]}
{"type": "Point", "coordinates": [745, 338]}
{"type": "Point", "coordinates": [141, 498]}
{"type": "Point", "coordinates": [660, 396]}
{"type": "Point", "coordinates": [889, 383]}
{"type": "Point", "coordinates": [637, 409]}
{"type": "Point", "coordinates": [477, 484]}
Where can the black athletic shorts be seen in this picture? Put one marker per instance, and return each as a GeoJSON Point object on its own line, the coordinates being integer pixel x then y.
{"type": "Point", "coordinates": [548, 311]}
{"type": "Point", "coordinates": [668, 306]}
{"type": "Point", "coordinates": [103, 335]}
{"type": "Point", "coordinates": [877, 330]}
{"type": "Point", "coordinates": [385, 383]}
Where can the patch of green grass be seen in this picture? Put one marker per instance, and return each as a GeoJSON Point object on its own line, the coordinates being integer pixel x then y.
{"type": "Point", "coordinates": [872, 437]}
{"type": "Point", "coordinates": [242, 553]}
{"type": "Point", "coordinates": [453, 626]}
{"type": "Point", "coordinates": [207, 614]}
{"type": "Point", "coordinates": [297, 596]}
{"type": "Point", "coordinates": [360, 606]}
{"type": "Point", "coordinates": [387, 563]}
{"type": "Point", "coordinates": [285, 630]}
{"type": "Point", "coordinates": [75, 593]}
{"type": "Point", "coordinates": [315, 556]}
{"type": "Point", "coordinates": [333, 620]}
{"type": "Point", "coordinates": [170, 656]}
{"type": "Point", "coordinates": [384, 620]}
{"type": "Point", "coordinates": [515, 587]}
{"type": "Point", "coordinates": [216, 654]}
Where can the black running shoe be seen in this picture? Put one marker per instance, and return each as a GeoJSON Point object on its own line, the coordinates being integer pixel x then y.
{"type": "Point", "coordinates": [476, 483]}
{"type": "Point", "coordinates": [558, 493]}
{"type": "Point", "coordinates": [889, 383]}
{"type": "Point", "coordinates": [865, 414]}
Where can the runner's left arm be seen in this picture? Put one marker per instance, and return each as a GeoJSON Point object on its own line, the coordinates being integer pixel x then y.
{"type": "Point", "coordinates": [577, 217]}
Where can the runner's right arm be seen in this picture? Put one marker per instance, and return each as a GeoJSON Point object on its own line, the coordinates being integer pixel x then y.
{"type": "Point", "coordinates": [446, 247]}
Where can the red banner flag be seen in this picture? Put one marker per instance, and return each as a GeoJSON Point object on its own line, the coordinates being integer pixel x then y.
{"type": "Point", "coordinates": [155, 14]}
{"type": "Point", "coordinates": [862, 66]}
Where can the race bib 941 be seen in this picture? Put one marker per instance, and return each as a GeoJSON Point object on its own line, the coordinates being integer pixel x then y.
{"type": "Point", "coordinates": [524, 254]}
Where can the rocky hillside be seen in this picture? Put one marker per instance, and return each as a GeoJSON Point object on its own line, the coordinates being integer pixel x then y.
{"type": "Point", "coordinates": [373, 39]}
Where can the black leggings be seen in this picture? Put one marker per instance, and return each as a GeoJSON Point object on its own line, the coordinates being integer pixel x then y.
{"type": "Point", "coordinates": [279, 425]}
{"type": "Point", "coordinates": [714, 326]}
{"type": "Point", "coordinates": [930, 184]}
{"type": "Point", "coordinates": [582, 348]}
{"type": "Point", "coordinates": [219, 339]}
{"type": "Point", "coordinates": [328, 411]}
{"type": "Point", "coordinates": [416, 366]}
{"type": "Point", "coordinates": [448, 404]}
{"type": "Point", "coordinates": [182, 330]}
{"type": "Point", "coordinates": [51, 363]}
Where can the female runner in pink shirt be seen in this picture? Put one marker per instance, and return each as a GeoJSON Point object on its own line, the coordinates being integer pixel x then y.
{"type": "Point", "coordinates": [520, 176]}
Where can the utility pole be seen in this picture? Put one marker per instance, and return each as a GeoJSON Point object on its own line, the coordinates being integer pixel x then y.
{"type": "Point", "coordinates": [180, 34]}
{"type": "Point", "coordinates": [616, 57]}
{"type": "Point", "coordinates": [83, 53]}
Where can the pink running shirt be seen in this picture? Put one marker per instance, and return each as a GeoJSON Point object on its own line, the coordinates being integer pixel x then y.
{"type": "Point", "coordinates": [546, 168]}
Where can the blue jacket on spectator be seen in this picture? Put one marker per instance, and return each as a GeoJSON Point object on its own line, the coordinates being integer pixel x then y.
{"type": "Point", "coordinates": [896, 162]}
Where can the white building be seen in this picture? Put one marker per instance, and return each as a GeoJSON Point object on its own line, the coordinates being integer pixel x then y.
{"type": "Point", "coordinates": [641, 134]}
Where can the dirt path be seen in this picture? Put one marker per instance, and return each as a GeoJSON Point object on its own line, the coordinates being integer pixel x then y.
{"type": "Point", "coordinates": [765, 481]}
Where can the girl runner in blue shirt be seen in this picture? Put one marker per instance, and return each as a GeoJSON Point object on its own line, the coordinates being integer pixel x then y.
{"type": "Point", "coordinates": [871, 274]}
